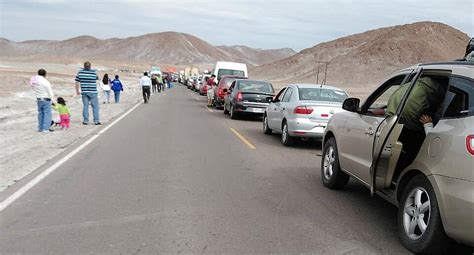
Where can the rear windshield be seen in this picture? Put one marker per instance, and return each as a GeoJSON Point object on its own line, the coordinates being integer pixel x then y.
{"type": "Point", "coordinates": [229, 72]}
{"type": "Point", "coordinates": [255, 86]}
{"type": "Point", "coordinates": [318, 94]}
{"type": "Point", "coordinates": [226, 82]}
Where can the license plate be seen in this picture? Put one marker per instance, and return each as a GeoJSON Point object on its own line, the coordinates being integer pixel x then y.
{"type": "Point", "coordinates": [257, 110]}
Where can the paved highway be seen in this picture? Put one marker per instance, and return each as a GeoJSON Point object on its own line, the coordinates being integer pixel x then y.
{"type": "Point", "coordinates": [175, 177]}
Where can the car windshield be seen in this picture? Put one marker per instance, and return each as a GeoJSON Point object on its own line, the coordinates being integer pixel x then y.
{"type": "Point", "coordinates": [230, 72]}
{"type": "Point", "coordinates": [319, 94]}
{"type": "Point", "coordinates": [255, 86]}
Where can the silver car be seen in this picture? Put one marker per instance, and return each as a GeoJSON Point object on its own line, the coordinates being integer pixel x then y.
{"type": "Point", "coordinates": [431, 181]}
{"type": "Point", "coordinates": [302, 110]}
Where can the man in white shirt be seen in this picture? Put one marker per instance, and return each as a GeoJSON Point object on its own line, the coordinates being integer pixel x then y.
{"type": "Point", "coordinates": [145, 83]}
{"type": "Point", "coordinates": [44, 95]}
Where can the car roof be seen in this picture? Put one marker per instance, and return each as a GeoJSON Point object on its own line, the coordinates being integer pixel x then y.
{"type": "Point", "coordinates": [311, 85]}
{"type": "Point", "coordinates": [245, 79]}
{"type": "Point", "coordinates": [233, 76]}
{"type": "Point", "coordinates": [463, 68]}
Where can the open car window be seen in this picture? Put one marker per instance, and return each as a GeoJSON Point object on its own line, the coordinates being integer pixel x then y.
{"type": "Point", "coordinates": [459, 100]}
{"type": "Point", "coordinates": [377, 103]}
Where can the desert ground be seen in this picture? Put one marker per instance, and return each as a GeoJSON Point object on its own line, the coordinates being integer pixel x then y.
{"type": "Point", "coordinates": [23, 148]}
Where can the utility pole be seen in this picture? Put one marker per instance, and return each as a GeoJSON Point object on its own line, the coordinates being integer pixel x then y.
{"type": "Point", "coordinates": [325, 71]}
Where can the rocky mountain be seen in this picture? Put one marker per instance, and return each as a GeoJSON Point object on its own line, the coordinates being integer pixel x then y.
{"type": "Point", "coordinates": [256, 56]}
{"type": "Point", "coordinates": [164, 48]}
{"type": "Point", "coordinates": [363, 60]}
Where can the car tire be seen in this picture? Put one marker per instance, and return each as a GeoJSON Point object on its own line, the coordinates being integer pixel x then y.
{"type": "Point", "coordinates": [233, 113]}
{"type": "Point", "coordinates": [266, 128]}
{"type": "Point", "coordinates": [286, 139]}
{"type": "Point", "coordinates": [418, 209]}
{"type": "Point", "coordinates": [331, 174]}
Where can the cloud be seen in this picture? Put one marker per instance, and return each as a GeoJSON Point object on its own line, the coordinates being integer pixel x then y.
{"type": "Point", "coordinates": [265, 24]}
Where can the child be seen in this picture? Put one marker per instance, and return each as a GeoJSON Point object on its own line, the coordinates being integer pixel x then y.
{"type": "Point", "coordinates": [64, 113]}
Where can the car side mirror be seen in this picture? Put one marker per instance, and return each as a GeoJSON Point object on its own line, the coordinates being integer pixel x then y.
{"type": "Point", "coordinates": [351, 104]}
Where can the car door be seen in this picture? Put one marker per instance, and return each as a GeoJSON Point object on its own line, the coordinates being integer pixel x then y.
{"type": "Point", "coordinates": [356, 143]}
{"type": "Point", "coordinates": [285, 103]}
{"type": "Point", "coordinates": [273, 108]}
{"type": "Point", "coordinates": [228, 96]}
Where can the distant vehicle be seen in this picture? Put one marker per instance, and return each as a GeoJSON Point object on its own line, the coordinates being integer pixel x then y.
{"type": "Point", "coordinates": [230, 68]}
{"type": "Point", "coordinates": [199, 83]}
{"type": "Point", "coordinates": [181, 77]}
{"type": "Point", "coordinates": [247, 97]}
{"type": "Point", "coordinates": [224, 83]}
{"type": "Point", "coordinates": [302, 110]}
{"type": "Point", "coordinates": [428, 174]}
{"type": "Point", "coordinates": [175, 77]}
{"type": "Point", "coordinates": [155, 70]}
{"type": "Point", "coordinates": [192, 82]}
{"type": "Point", "coordinates": [202, 86]}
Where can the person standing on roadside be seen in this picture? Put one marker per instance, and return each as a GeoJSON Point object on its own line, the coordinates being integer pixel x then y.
{"type": "Point", "coordinates": [44, 94]}
{"type": "Point", "coordinates": [161, 87]}
{"type": "Point", "coordinates": [210, 90]}
{"type": "Point", "coordinates": [145, 83]}
{"type": "Point", "coordinates": [86, 80]}
{"type": "Point", "coordinates": [117, 87]}
{"type": "Point", "coordinates": [168, 80]}
{"type": "Point", "coordinates": [64, 113]}
{"type": "Point", "coordinates": [106, 88]}
{"type": "Point", "coordinates": [154, 83]}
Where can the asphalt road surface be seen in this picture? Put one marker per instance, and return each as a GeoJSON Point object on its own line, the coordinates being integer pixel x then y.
{"type": "Point", "coordinates": [174, 177]}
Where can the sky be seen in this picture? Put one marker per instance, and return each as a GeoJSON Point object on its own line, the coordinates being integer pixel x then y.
{"type": "Point", "coordinates": [265, 24]}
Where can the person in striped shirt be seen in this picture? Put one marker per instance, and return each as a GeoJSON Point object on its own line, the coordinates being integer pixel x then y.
{"type": "Point", "coordinates": [86, 81]}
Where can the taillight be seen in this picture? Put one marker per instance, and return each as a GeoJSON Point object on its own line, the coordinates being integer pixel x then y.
{"type": "Point", "coordinates": [303, 110]}
{"type": "Point", "coordinates": [239, 96]}
{"type": "Point", "coordinates": [470, 144]}
{"type": "Point", "coordinates": [220, 92]}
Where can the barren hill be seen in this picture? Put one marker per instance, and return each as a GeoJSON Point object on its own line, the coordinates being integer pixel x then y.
{"type": "Point", "coordinates": [257, 56]}
{"type": "Point", "coordinates": [360, 61]}
{"type": "Point", "coordinates": [167, 47]}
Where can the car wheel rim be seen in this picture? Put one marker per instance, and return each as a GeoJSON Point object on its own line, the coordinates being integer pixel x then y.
{"type": "Point", "coordinates": [416, 213]}
{"type": "Point", "coordinates": [265, 123]}
{"type": "Point", "coordinates": [329, 159]}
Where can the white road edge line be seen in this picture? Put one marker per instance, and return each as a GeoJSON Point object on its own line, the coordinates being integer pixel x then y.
{"type": "Point", "coordinates": [20, 192]}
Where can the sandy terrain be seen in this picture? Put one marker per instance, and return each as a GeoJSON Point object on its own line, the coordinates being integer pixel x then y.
{"type": "Point", "coordinates": [23, 149]}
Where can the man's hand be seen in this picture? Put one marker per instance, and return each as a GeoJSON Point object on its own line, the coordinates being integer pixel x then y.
{"type": "Point", "coordinates": [78, 93]}
{"type": "Point", "coordinates": [425, 119]}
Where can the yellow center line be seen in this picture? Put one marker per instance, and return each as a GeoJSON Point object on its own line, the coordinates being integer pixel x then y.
{"type": "Point", "coordinates": [209, 109]}
{"type": "Point", "coordinates": [243, 139]}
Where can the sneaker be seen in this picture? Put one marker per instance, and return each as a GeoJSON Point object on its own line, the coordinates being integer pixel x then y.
{"type": "Point", "coordinates": [97, 123]}
{"type": "Point", "coordinates": [45, 131]}
{"type": "Point", "coordinates": [85, 123]}
{"type": "Point", "coordinates": [51, 130]}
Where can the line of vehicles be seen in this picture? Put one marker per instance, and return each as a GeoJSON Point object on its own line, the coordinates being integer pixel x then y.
{"type": "Point", "coordinates": [433, 187]}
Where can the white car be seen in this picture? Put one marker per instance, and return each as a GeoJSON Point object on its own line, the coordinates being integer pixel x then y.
{"type": "Point", "coordinates": [302, 110]}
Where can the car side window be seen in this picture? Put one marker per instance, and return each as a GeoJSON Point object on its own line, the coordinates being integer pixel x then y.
{"type": "Point", "coordinates": [459, 100]}
{"type": "Point", "coordinates": [232, 86]}
{"type": "Point", "coordinates": [287, 96]}
{"type": "Point", "coordinates": [279, 96]}
{"type": "Point", "coordinates": [377, 103]}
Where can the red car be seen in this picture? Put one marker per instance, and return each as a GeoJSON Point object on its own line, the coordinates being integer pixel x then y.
{"type": "Point", "coordinates": [224, 83]}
